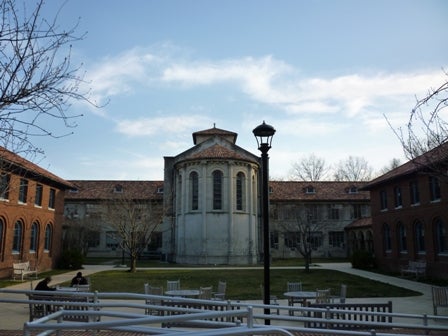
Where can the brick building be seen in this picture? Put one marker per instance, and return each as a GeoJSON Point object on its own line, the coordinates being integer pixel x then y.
{"type": "Point", "coordinates": [409, 214]}
{"type": "Point", "coordinates": [31, 213]}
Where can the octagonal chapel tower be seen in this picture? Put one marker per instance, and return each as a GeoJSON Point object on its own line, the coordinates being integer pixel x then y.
{"type": "Point", "coordinates": [211, 202]}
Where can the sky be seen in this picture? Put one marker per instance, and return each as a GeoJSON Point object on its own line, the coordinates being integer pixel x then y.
{"type": "Point", "coordinates": [334, 78]}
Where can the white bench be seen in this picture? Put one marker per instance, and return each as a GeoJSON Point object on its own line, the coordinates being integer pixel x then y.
{"type": "Point", "coordinates": [414, 267]}
{"type": "Point", "coordinates": [439, 297]}
{"type": "Point", "coordinates": [23, 269]}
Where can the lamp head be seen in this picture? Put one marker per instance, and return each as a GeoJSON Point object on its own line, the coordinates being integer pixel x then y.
{"type": "Point", "coordinates": [264, 134]}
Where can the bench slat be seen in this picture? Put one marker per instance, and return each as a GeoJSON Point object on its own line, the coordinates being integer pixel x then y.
{"type": "Point", "coordinates": [356, 312]}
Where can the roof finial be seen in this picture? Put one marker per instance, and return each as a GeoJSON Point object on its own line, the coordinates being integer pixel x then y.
{"type": "Point", "coordinates": [214, 125]}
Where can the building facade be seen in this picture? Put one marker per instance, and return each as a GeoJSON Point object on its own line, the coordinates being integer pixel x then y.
{"type": "Point", "coordinates": [314, 213]}
{"type": "Point", "coordinates": [210, 199]}
{"type": "Point", "coordinates": [211, 202]}
{"type": "Point", "coordinates": [212, 207]}
{"type": "Point", "coordinates": [90, 228]}
{"type": "Point", "coordinates": [31, 213]}
{"type": "Point", "coordinates": [409, 215]}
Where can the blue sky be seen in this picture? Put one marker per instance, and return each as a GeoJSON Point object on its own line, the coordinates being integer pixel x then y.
{"type": "Point", "coordinates": [323, 73]}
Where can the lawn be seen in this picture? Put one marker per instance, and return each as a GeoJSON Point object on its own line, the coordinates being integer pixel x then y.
{"type": "Point", "coordinates": [244, 284]}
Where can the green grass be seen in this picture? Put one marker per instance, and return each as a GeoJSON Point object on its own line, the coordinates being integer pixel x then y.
{"type": "Point", "coordinates": [244, 284]}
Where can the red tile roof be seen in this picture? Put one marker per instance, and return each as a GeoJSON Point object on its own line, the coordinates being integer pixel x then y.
{"type": "Point", "coordinates": [360, 223]}
{"type": "Point", "coordinates": [16, 163]}
{"type": "Point", "coordinates": [218, 151]}
{"type": "Point", "coordinates": [215, 131]}
{"type": "Point", "coordinates": [424, 161]}
{"type": "Point", "coordinates": [100, 189]}
{"type": "Point", "coordinates": [324, 191]}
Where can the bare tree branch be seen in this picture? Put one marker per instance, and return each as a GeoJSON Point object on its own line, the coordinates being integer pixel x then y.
{"type": "Point", "coordinates": [427, 131]}
{"type": "Point", "coordinates": [134, 221]}
{"type": "Point", "coordinates": [38, 82]}
{"type": "Point", "coordinates": [310, 168]}
{"type": "Point", "coordinates": [353, 169]}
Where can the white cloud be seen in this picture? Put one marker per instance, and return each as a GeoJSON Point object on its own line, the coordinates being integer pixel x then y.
{"type": "Point", "coordinates": [317, 105]}
{"type": "Point", "coordinates": [161, 125]}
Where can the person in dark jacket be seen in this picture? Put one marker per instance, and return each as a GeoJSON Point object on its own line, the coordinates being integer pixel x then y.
{"type": "Point", "coordinates": [78, 280]}
{"type": "Point", "coordinates": [43, 285]}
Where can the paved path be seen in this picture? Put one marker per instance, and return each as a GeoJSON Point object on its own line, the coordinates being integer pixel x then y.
{"type": "Point", "coordinates": [13, 316]}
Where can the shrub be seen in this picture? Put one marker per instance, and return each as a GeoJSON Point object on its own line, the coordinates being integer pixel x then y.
{"type": "Point", "coordinates": [71, 259]}
{"type": "Point", "coordinates": [362, 259]}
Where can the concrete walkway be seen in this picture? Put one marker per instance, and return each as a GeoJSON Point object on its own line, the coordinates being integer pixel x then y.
{"type": "Point", "coordinates": [13, 316]}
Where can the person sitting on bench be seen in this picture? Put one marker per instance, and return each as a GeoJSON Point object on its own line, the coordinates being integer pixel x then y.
{"type": "Point", "coordinates": [43, 285]}
{"type": "Point", "coordinates": [78, 280]}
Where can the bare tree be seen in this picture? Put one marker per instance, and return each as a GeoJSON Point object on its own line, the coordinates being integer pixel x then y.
{"type": "Point", "coordinates": [353, 169]}
{"type": "Point", "coordinates": [309, 168]}
{"type": "Point", "coordinates": [134, 222]}
{"type": "Point", "coordinates": [304, 231]}
{"type": "Point", "coordinates": [427, 132]}
{"type": "Point", "coordinates": [394, 163]}
{"type": "Point", "coordinates": [38, 82]}
{"type": "Point", "coordinates": [78, 232]}
{"type": "Point", "coordinates": [426, 127]}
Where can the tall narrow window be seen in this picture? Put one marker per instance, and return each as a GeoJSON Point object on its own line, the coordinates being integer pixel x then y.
{"type": "Point", "coordinates": [434, 188]}
{"type": "Point", "coordinates": [402, 242]}
{"type": "Point", "coordinates": [48, 237]}
{"type": "Point", "coordinates": [52, 199]}
{"type": "Point", "coordinates": [441, 236]}
{"type": "Point", "coordinates": [415, 194]}
{"type": "Point", "coordinates": [383, 200]}
{"type": "Point", "coordinates": [4, 186]}
{"type": "Point", "coordinates": [38, 197]}
{"type": "Point", "coordinates": [397, 196]}
{"type": "Point", "coordinates": [420, 237]}
{"type": "Point", "coordinates": [17, 238]}
{"type": "Point", "coordinates": [356, 211]}
{"type": "Point", "coordinates": [2, 229]}
{"type": "Point", "coordinates": [194, 182]}
{"type": "Point", "coordinates": [217, 190]}
{"type": "Point", "coordinates": [387, 238]}
{"type": "Point", "coordinates": [240, 184]}
{"type": "Point", "coordinates": [33, 237]}
{"type": "Point", "coordinates": [23, 190]}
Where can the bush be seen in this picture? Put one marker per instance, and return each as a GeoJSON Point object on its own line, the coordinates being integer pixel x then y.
{"type": "Point", "coordinates": [71, 259]}
{"type": "Point", "coordinates": [362, 259]}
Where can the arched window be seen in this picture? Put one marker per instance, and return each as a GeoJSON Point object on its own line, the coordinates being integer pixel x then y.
{"type": "Point", "coordinates": [420, 237]}
{"type": "Point", "coordinates": [369, 241]}
{"type": "Point", "coordinates": [402, 242]}
{"type": "Point", "coordinates": [387, 238]}
{"type": "Point", "coordinates": [2, 229]}
{"type": "Point", "coordinates": [179, 193]}
{"type": "Point", "coordinates": [240, 191]}
{"type": "Point", "coordinates": [48, 237]}
{"type": "Point", "coordinates": [217, 190]}
{"type": "Point", "coordinates": [194, 183]}
{"type": "Point", "coordinates": [17, 239]}
{"type": "Point", "coordinates": [34, 236]}
{"type": "Point", "coordinates": [441, 237]}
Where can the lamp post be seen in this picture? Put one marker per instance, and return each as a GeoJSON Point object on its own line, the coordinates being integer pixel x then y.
{"type": "Point", "coordinates": [264, 133]}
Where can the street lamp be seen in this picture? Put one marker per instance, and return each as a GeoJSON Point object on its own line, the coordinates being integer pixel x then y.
{"type": "Point", "coordinates": [264, 133]}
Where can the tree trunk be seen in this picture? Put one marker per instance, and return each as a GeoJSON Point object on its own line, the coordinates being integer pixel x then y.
{"type": "Point", "coordinates": [133, 268]}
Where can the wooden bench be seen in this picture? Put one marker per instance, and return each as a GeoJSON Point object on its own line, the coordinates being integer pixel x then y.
{"type": "Point", "coordinates": [346, 315]}
{"type": "Point", "coordinates": [23, 269]}
{"type": "Point", "coordinates": [414, 267]}
{"type": "Point", "coordinates": [439, 297]}
{"type": "Point", "coordinates": [55, 302]}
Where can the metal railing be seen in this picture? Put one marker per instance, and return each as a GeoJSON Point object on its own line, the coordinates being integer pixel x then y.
{"type": "Point", "coordinates": [205, 316]}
